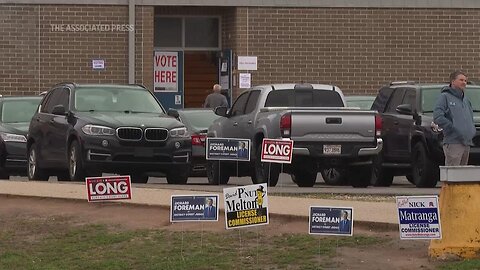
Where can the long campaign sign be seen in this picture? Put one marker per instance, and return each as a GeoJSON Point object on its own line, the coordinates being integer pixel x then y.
{"type": "Point", "coordinates": [194, 208]}
{"type": "Point", "coordinates": [277, 151]}
{"type": "Point", "coordinates": [108, 188]}
{"type": "Point", "coordinates": [418, 217]}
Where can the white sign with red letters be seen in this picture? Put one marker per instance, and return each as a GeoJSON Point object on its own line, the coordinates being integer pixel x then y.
{"type": "Point", "coordinates": [277, 151]}
{"type": "Point", "coordinates": [165, 72]}
{"type": "Point", "coordinates": [108, 188]}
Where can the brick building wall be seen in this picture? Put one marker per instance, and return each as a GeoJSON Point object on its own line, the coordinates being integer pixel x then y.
{"type": "Point", "coordinates": [38, 50]}
{"type": "Point", "coordinates": [360, 49]}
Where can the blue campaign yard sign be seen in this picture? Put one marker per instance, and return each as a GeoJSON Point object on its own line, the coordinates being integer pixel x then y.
{"type": "Point", "coordinates": [418, 217]}
{"type": "Point", "coordinates": [228, 149]}
{"type": "Point", "coordinates": [327, 220]}
{"type": "Point", "coordinates": [194, 208]}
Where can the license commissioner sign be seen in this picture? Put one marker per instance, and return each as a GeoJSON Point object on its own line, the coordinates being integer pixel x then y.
{"type": "Point", "coordinates": [419, 217]}
{"type": "Point", "coordinates": [246, 206]}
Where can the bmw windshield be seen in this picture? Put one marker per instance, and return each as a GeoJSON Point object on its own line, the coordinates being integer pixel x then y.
{"type": "Point", "coordinates": [115, 99]}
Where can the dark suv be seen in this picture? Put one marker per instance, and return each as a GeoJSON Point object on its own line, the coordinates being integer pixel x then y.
{"type": "Point", "coordinates": [412, 143]}
{"type": "Point", "coordinates": [15, 116]}
{"type": "Point", "coordinates": [85, 130]}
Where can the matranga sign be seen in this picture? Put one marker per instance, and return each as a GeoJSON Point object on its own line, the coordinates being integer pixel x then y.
{"type": "Point", "coordinates": [246, 206]}
{"type": "Point", "coordinates": [419, 217]}
{"type": "Point", "coordinates": [165, 72]}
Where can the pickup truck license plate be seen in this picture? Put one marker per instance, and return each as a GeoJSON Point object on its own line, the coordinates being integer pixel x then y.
{"type": "Point", "coordinates": [332, 149]}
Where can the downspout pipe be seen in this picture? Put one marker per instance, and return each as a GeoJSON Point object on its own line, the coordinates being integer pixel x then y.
{"type": "Point", "coordinates": [131, 42]}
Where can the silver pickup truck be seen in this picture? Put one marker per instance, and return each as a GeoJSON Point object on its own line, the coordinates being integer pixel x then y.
{"type": "Point", "coordinates": [326, 134]}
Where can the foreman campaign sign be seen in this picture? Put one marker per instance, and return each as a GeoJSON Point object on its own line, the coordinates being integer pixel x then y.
{"type": "Point", "coordinates": [246, 206]}
{"type": "Point", "coordinates": [194, 208]}
{"type": "Point", "coordinates": [418, 217]}
{"type": "Point", "coordinates": [331, 220]}
{"type": "Point", "coordinates": [108, 188]}
{"type": "Point", "coordinates": [228, 149]}
{"type": "Point", "coordinates": [277, 151]}
{"type": "Point", "coordinates": [165, 72]}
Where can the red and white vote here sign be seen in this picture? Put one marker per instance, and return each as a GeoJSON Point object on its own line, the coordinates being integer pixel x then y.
{"type": "Point", "coordinates": [277, 151]}
{"type": "Point", "coordinates": [109, 188]}
{"type": "Point", "coordinates": [165, 72]}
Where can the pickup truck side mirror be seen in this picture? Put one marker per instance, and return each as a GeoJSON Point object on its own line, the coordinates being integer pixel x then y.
{"type": "Point", "coordinates": [404, 109]}
{"type": "Point", "coordinates": [173, 113]}
{"type": "Point", "coordinates": [221, 111]}
{"type": "Point", "coordinates": [58, 110]}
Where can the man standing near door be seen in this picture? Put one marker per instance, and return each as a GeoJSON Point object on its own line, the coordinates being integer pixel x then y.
{"type": "Point", "coordinates": [216, 98]}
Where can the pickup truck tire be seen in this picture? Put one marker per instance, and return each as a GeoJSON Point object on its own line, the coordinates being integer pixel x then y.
{"type": "Point", "coordinates": [360, 176]}
{"type": "Point", "coordinates": [304, 172]}
{"type": "Point", "coordinates": [34, 172]}
{"type": "Point", "coordinates": [140, 178]}
{"type": "Point", "coordinates": [334, 176]}
{"type": "Point", "coordinates": [425, 172]}
{"type": "Point", "coordinates": [265, 172]}
{"type": "Point", "coordinates": [380, 176]}
{"type": "Point", "coordinates": [217, 173]}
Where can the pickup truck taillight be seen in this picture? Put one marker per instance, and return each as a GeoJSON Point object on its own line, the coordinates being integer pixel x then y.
{"type": "Point", "coordinates": [378, 125]}
{"type": "Point", "coordinates": [198, 139]}
{"type": "Point", "coordinates": [286, 125]}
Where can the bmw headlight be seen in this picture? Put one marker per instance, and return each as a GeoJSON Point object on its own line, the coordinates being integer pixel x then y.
{"type": "Point", "coordinates": [97, 130]}
{"type": "Point", "coordinates": [9, 137]}
{"type": "Point", "coordinates": [179, 133]}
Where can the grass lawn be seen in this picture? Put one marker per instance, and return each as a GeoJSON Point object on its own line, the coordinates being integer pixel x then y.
{"type": "Point", "coordinates": [60, 243]}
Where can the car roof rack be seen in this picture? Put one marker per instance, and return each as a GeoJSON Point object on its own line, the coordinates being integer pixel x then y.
{"type": "Point", "coordinates": [402, 82]}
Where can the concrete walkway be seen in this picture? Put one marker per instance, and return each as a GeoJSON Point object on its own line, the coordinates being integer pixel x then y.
{"type": "Point", "coordinates": [367, 213]}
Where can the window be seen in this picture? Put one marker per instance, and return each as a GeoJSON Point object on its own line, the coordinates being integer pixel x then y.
{"type": "Point", "coordinates": [239, 106]}
{"type": "Point", "coordinates": [53, 98]}
{"type": "Point", "coordinates": [201, 32]}
{"type": "Point", "coordinates": [16, 111]}
{"type": "Point", "coordinates": [278, 98]}
{"type": "Point", "coordinates": [115, 99]}
{"type": "Point", "coordinates": [303, 98]}
{"type": "Point", "coordinates": [168, 32]}
{"type": "Point", "coordinates": [187, 32]}
{"type": "Point", "coordinates": [252, 101]}
{"type": "Point", "coordinates": [409, 98]}
{"type": "Point", "coordinates": [382, 99]}
{"type": "Point", "coordinates": [395, 100]}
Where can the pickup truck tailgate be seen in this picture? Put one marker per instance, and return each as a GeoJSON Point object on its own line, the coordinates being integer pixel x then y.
{"type": "Point", "coordinates": [333, 125]}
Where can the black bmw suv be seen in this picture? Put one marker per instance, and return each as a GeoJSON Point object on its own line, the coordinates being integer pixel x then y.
{"type": "Point", "coordinates": [86, 130]}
